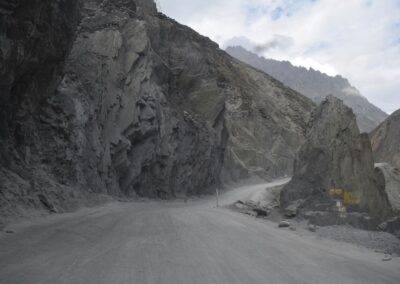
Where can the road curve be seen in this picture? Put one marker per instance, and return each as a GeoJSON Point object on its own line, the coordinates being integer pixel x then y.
{"type": "Point", "coordinates": [180, 243]}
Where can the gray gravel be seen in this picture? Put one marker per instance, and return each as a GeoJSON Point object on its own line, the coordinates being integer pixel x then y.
{"type": "Point", "coordinates": [180, 243]}
{"type": "Point", "coordinates": [380, 241]}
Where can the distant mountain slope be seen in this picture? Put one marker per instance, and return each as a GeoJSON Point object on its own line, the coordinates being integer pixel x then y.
{"type": "Point", "coordinates": [315, 85]}
{"type": "Point", "coordinates": [386, 140]}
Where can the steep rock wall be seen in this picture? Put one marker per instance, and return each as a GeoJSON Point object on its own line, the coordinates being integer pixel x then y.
{"type": "Point", "coordinates": [137, 105]}
{"type": "Point", "coordinates": [35, 39]}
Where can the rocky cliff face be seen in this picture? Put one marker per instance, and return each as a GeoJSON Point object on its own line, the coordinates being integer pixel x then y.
{"type": "Point", "coordinates": [315, 85]}
{"type": "Point", "coordinates": [385, 141]}
{"type": "Point", "coordinates": [336, 157]}
{"type": "Point", "coordinates": [35, 38]}
{"type": "Point", "coordinates": [131, 103]}
{"type": "Point", "coordinates": [390, 176]}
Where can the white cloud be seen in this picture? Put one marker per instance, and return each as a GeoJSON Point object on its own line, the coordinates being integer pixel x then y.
{"type": "Point", "coordinates": [311, 63]}
{"type": "Point", "coordinates": [359, 39]}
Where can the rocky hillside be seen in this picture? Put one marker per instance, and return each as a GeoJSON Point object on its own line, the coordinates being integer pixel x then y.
{"type": "Point", "coordinates": [113, 98]}
{"type": "Point", "coordinates": [336, 164]}
{"type": "Point", "coordinates": [315, 85]}
{"type": "Point", "coordinates": [385, 141]}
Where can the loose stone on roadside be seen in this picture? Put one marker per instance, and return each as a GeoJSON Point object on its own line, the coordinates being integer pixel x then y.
{"type": "Point", "coordinates": [312, 228]}
{"type": "Point", "coordinates": [387, 258]}
{"type": "Point", "coordinates": [284, 224]}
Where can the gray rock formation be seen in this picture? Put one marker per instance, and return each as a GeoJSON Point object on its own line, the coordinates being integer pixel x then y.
{"type": "Point", "coordinates": [336, 157]}
{"type": "Point", "coordinates": [390, 176]}
{"type": "Point", "coordinates": [315, 85]}
{"type": "Point", "coordinates": [130, 103]}
{"type": "Point", "coordinates": [35, 38]}
{"type": "Point", "coordinates": [385, 141]}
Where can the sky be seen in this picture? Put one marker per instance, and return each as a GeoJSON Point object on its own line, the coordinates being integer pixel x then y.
{"type": "Point", "coordinates": [358, 39]}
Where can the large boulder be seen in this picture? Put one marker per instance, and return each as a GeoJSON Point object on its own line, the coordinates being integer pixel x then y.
{"type": "Point", "coordinates": [335, 164]}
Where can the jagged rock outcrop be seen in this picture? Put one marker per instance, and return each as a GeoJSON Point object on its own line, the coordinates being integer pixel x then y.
{"type": "Point", "coordinates": [390, 177]}
{"type": "Point", "coordinates": [336, 156]}
{"type": "Point", "coordinates": [385, 141]}
{"type": "Point", "coordinates": [143, 106]}
{"type": "Point", "coordinates": [315, 85]}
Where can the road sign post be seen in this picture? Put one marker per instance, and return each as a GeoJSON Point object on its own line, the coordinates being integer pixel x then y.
{"type": "Point", "coordinates": [216, 196]}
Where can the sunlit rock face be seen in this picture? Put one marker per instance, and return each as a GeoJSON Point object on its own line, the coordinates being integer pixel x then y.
{"type": "Point", "coordinates": [129, 102]}
{"type": "Point", "coordinates": [336, 157]}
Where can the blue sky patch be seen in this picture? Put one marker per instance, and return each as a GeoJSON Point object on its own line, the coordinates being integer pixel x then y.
{"type": "Point", "coordinates": [319, 46]}
{"type": "Point", "coordinates": [368, 3]}
{"type": "Point", "coordinates": [287, 8]}
{"type": "Point", "coordinates": [396, 42]}
{"type": "Point", "coordinates": [253, 12]}
{"type": "Point", "coordinates": [277, 13]}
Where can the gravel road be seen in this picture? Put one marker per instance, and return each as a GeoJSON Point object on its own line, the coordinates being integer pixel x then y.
{"type": "Point", "coordinates": [179, 243]}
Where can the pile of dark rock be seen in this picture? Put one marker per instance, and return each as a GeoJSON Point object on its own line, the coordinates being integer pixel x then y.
{"type": "Point", "coordinates": [252, 208]}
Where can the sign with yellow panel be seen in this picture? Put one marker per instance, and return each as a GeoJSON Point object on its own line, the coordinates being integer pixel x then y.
{"type": "Point", "coordinates": [348, 198]}
{"type": "Point", "coordinates": [351, 198]}
{"type": "Point", "coordinates": [336, 192]}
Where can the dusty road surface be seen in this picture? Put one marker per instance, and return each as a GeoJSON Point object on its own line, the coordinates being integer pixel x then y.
{"type": "Point", "coordinates": [180, 243]}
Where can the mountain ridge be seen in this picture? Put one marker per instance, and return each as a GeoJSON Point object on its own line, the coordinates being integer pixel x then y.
{"type": "Point", "coordinates": [315, 85]}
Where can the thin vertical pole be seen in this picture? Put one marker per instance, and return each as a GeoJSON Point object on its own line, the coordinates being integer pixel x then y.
{"type": "Point", "coordinates": [217, 197]}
